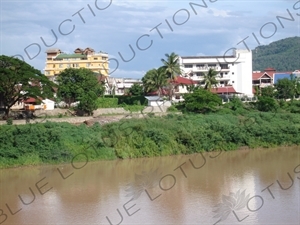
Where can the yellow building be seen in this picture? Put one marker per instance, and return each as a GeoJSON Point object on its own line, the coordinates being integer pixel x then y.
{"type": "Point", "coordinates": [57, 61]}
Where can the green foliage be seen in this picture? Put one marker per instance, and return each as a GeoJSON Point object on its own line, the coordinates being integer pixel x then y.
{"type": "Point", "coordinates": [9, 121]}
{"type": "Point", "coordinates": [133, 108]}
{"type": "Point", "coordinates": [30, 81]}
{"type": "Point", "coordinates": [172, 108]}
{"type": "Point", "coordinates": [155, 80]}
{"type": "Point", "coordinates": [34, 144]}
{"type": "Point", "coordinates": [171, 65]}
{"type": "Point", "coordinates": [285, 88]}
{"type": "Point", "coordinates": [136, 90]}
{"type": "Point", "coordinates": [107, 102]}
{"type": "Point", "coordinates": [266, 104]}
{"type": "Point", "coordinates": [283, 55]}
{"type": "Point", "coordinates": [76, 84]}
{"type": "Point", "coordinates": [132, 100]}
{"type": "Point", "coordinates": [210, 79]}
{"type": "Point", "coordinates": [268, 92]}
{"type": "Point", "coordinates": [88, 102]}
{"type": "Point", "coordinates": [201, 101]}
{"type": "Point", "coordinates": [235, 104]}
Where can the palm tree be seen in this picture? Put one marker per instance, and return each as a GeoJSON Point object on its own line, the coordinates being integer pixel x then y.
{"type": "Point", "coordinates": [172, 69]}
{"type": "Point", "coordinates": [155, 79]}
{"type": "Point", "coordinates": [210, 79]}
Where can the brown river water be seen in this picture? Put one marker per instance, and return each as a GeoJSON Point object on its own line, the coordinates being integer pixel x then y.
{"type": "Point", "coordinates": [260, 186]}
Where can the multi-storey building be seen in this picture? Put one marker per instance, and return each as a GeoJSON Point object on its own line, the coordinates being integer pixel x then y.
{"type": "Point", "coordinates": [270, 76]}
{"type": "Point", "coordinates": [57, 61]}
{"type": "Point", "coordinates": [119, 86]}
{"type": "Point", "coordinates": [233, 71]}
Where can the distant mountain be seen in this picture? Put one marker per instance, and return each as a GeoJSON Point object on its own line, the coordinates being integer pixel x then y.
{"type": "Point", "coordinates": [282, 55]}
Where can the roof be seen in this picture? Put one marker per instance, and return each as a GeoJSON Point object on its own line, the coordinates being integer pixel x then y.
{"type": "Point", "coordinates": [52, 50]}
{"type": "Point", "coordinates": [30, 100]}
{"type": "Point", "coordinates": [163, 92]}
{"type": "Point", "coordinates": [153, 98]}
{"type": "Point", "coordinates": [206, 57]}
{"type": "Point", "coordinates": [182, 80]}
{"type": "Point", "coordinates": [221, 90]}
{"type": "Point", "coordinates": [257, 76]}
{"type": "Point", "coordinates": [70, 56]}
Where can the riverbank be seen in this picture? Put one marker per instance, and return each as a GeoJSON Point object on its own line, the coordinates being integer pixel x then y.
{"type": "Point", "coordinates": [52, 143]}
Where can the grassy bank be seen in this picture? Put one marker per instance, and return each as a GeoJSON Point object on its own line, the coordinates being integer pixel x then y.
{"type": "Point", "coordinates": [34, 144]}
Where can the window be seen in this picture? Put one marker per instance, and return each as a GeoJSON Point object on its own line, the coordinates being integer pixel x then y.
{"type": "Point", "coordinates": [61, 65]}
{"type": "Point", "coordinates": [188, 66]}
{"type": "Point", "coordinates": [104, 58]}
{"type": "Point", "coordinates": [88, 65]}
{"type": "Point", "coordinates": [224, 66]}
{"type": "Point", "coordinates": [68, 66]}
{"type": "Point", "coordinates": [221, 74]}
{"type": "Point", "coordinates": [95, 58]}
{"type": "Point", "coordinates": [233, 81]}
{"type": "Point", "coordinates": [232, 73]}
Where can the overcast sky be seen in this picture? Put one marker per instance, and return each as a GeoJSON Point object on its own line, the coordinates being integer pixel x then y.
{"type": "Point", "coordinates": [188, 28]}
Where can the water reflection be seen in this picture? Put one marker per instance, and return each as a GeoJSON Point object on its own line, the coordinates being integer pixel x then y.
{"type": "Point", "coordinates": [183, 190]}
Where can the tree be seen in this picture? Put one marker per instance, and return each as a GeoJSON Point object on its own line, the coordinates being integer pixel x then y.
{"type": "Point", "coordinates": [266, 104]}
{"type": "Point", "coordinates": [172, 69]}
{"type": "Point", "coordinates": [136, 90]}
{"type": "Point", "coordinates": [285, 88]}
{"type": "Point", "coordinates": [77, 84]}
{"type": "Point", "coordinates": [88, 102]}
{"type": "Point", "coordinates": [19, 81]}
{"type": "Point", "coordinates": [201, 101]}
{"type": "Point", "coordinates": [155, 80]}
{"type": "Point", "coordinates": [210, 79]}
{"type": "Point", "coordinates": [268, 91]}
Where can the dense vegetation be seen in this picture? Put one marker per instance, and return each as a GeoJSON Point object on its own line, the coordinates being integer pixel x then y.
{"type": "Point", "coordinates": [230, 128]}
{"type": "Point", "coordinates": [20, 81]}
{"type": "Point", "coordinates": [282, 55]}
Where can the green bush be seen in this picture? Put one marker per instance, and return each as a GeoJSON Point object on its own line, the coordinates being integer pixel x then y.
{"type": "Point", "coordinates": [107, 102]}
{"type": "Point", "coordinates": [33, 144]}
{"type": "Point", "coordinates": [9, 121]}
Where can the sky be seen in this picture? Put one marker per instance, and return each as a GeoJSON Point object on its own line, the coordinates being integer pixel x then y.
{"type": "Point", "coordinates": [137, 34]}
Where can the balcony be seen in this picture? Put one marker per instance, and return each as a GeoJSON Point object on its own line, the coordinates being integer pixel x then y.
{"type": "Point", "coordinates": [206, 68]}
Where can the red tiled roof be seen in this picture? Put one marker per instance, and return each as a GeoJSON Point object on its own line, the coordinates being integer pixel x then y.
{"type": "Point", "coordinates": [30, 100]}
{"type": "Point", "coordinates": [163, 92]}
{"type": "Point", "coordinates": [182, 80]}
{"type": "Point", "coordinates": [220, 90]}
{"type": "Point", "coordinates": [256, 76]}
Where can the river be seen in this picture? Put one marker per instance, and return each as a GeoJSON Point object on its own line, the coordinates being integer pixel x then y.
{"type": "Point", "coordinates": [260, 186]}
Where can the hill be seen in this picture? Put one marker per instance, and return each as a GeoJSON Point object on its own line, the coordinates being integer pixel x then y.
{"type": "Point", "coordinates": [282, 55]}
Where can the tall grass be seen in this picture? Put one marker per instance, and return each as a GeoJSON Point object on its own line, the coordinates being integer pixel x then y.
{"type": "Point", "coordinates": [172, 134]}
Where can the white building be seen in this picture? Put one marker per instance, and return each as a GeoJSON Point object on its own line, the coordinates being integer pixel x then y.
{"type": "Point", "coordinates": [235, 70]}
{"type": "Point", "coordinates": [119, 86]}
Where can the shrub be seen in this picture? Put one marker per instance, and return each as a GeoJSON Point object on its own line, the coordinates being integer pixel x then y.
{"type": "Point", "coordinates": [9, 121]}
{"type": "Point", "coordinates": [107, 102]}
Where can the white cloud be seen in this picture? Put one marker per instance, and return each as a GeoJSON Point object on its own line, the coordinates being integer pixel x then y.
{"type": "Point", "coordinates": [218, 27]}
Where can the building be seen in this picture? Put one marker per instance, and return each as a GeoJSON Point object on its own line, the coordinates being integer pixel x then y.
{"type": "Point", "coordinates": [234, 70]}
{"type": "Point", "coordinates": [119, 86]}
{"type": "Point", "coordinates": [57, 61]}
{"type": "Point", "coordinates": [263, 79]}
{"type": "Point", "coordinates": [269, 77]}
